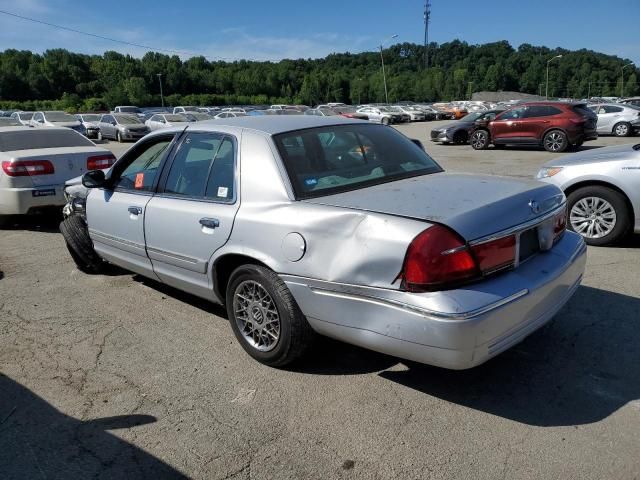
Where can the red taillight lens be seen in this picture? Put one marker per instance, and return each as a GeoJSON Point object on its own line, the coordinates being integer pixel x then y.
{"type": "Point", "coordinates": [27, 168]}
{"type": "Point", "coordinates": [100, 162]}
{"type": "Point", "coordinates": [437, 259]}
{"type": "Point", "coordinates": [559, 224]}
{"type": "Point", "coordinates": [495, 254]}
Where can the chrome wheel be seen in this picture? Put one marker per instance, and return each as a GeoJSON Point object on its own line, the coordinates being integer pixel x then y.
{"type": "Point", "coordinates": [478, 140]}
{"type": "Point", "coordinates": [554, 141]}
{"type": "Point", "coordinates": [621, 130]}
{"type": "Point", "coordinates": [256, 315]}
{"type": "Point", "coordinates": [593, 217]}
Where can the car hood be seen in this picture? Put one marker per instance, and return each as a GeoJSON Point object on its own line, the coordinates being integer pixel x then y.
{"type": "Point", "coordinates": [596, 155]}
{"type": "Point", "coordinates": [132, 125]}
{"type": "Point", "coordinates": [473, 205]}
{"type": "Point", "coordinates": [453, 125]}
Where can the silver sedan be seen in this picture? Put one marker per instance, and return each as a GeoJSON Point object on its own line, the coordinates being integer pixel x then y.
{"type": "Point", "coordinates": [305, 225]}
{"type": "Point", "coordinates": [603, 191]}
{"type": "Point", "coordinates": [617, 119]}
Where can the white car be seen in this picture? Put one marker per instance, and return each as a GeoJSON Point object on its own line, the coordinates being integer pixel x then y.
{"type": "Point", "coordinates": [230, 114]}
{"type": "Point", "coordinates": [177, 110]}
{"type": "Point", "coordinates": [377, 115]}
{"type": "Point", "coordinates": [166, 120]}
{"type": "Point", "coordinates": [617, 119]}
{"type": "Point", "coordinates": [56, 119]}
{"type": "Point", "coordinates": [35, 164]}
{"type": "Point", "coordinates": [23, 117]}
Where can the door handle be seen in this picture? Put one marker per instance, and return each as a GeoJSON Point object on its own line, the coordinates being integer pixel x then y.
{"type": "Point", "coordinates": [210, 222]}
{"type": "Point", "coordinates": [545, 121]}
{"type": "Point", "coordinates": [135, 210]}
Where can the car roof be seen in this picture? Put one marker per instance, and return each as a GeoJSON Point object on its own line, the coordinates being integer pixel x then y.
{"type": "Point", "coordinates": [275, 124]}
{"type": "Point", "coordinates": [29, 129]}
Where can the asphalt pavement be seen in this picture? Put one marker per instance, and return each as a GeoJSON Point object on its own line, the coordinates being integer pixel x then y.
{"type": "Point", "coordinates": [116, 376]}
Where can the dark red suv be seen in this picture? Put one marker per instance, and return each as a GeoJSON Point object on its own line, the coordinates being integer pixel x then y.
{"type": "Point", "coordinates": [554, 125]}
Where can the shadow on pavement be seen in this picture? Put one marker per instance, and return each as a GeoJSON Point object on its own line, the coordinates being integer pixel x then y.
{"type": "Point", "coordinates": [578, 370]}
{"type": "Point", "coordinates": [47, 221]}
{"type": "Point", "coordinates": [38, 441]}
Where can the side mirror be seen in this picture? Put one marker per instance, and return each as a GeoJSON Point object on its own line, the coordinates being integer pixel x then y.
{"type": "Point", "coordinates": [94, 179]}
{"type": "Point", "coordinates": [418, 143]}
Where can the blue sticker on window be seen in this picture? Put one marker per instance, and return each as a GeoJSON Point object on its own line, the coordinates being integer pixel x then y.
{"type": "Point", "coordinates": [310, 182]}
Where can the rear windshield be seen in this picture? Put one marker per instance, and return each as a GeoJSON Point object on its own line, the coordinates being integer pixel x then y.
{"type": "Point", "coordinates": [127, 119]}
{"type": "Point", "coordinates": [129, 110]}
{"type": "Point", "coordinates": [326, 160]}
{"type": "Point", "coordinates": [583, 110]}
{"type": "Point", "coordinates": [42, 138]}
{"type": "Point", "coordinates": [91, 118]}
{"type": "Point", "coordinates": [26, 115]}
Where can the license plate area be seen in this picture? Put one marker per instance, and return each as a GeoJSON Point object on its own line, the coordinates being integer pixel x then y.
{"type": "Point", "coordinates": [529, 244]}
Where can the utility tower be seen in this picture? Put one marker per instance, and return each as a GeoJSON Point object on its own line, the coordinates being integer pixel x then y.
{"type": "Point", "coordinates": [427, 17]}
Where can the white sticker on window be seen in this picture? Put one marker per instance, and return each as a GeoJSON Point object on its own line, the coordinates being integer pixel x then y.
{"type": "Point", "coordinates": [223, 192]}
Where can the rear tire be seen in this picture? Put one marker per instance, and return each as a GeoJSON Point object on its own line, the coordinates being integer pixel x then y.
{"type": "Point", "coordinates": [555, 141]}
{"type": "Point", "coordinates": [74, 230]}
{"type": "Point", "coordinates": [600, 214]}
{"type": "Point", "coordinates": [265, 317]}
{"type": "Point", "coordinates": [119, 136]}
{"type": "Point", "coordinates": [385, 121]}
{"type": "Point", "coordinates": [480, 140]}
{"type": "Point", "coordinates": [622, 129]}
{"type": "Point", "coordinates": [99, 137]}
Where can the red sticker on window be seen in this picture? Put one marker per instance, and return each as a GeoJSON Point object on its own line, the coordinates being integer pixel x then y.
{"type": "Point", "coordinates": [139, 180]}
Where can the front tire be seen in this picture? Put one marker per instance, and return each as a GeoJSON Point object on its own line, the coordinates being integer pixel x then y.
{"type": "Point", "coordinates": [622, 129]}
{"type": "Point", "coordinates": [480, 140]}
{"type": "Point", "coordinates": [119, 136]}
{"type": "Point", "coordinates": [599, 214]}
{"type": "Point", "coordinates": [265, 317]}
{"type": "Point", "coordinates": [385, 121]}
{"type": "Point", "coordinates": [74, 230]}
{"type": "Point", "coordinates": [555, 141]}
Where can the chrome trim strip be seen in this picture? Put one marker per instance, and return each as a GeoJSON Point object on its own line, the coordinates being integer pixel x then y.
{"type": "Point", "coordinates": [518, 228]}
{"type": "Point", "coordinates": [174, 255]}
{"type": "Point", "coordinates": [115, 239]}
{"type": "Point", "coordinates": [418, 310]}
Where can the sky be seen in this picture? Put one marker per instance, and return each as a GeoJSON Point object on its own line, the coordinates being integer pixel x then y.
{"type": "Point", "coordinates": [276, 29]}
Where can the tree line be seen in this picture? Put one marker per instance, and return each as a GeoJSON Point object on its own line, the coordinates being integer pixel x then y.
{"type": "Point", "coordinates": [61, 79]}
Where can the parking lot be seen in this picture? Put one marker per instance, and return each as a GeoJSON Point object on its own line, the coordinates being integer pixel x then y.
{"type": "Point", "coordinates": [141, 379]}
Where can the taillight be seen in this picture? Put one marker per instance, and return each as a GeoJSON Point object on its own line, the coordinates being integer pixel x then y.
{"type": "Point", "coordinates": [27, 168]}
{"type": "Point", "coordinates": [100, 162]}
{"type": "Point", "coordinates": [495, 254]}
{"type": "Point", "coordinates": [559, 224]}
{"type": "Point", "coordinates": [437, 259]}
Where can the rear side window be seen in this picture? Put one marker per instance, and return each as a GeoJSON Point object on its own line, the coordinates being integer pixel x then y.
{"type": "Point", "coordinates": [42, 138]}
{"type": "Point", "coordinates": [326, 160]}
{"type": "Point", "coordinates": [542, 111]}
{"type": "Point", "coordinates": [582, 110]}
{"type": "Point", "coordinates": [612, 109]}
{"type": "Point", "coordinates": [203, 168]}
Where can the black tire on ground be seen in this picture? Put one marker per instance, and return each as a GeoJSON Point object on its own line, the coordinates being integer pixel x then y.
{"type": "Point", "coordinates": [555, 141]}
{"type": "Point", "coordinates": [385, 121]}
{"type": "Point", "coordinates": [460, 138]}
{"type": "Point", "coordinates": [74, 230]}
{"type": "Point", "coordinates": [480, 140]}
{"type": "Point", "coordinates": [99, 137]}
{"type": "Point", "coordinates": [119, 136]}
{"type": "Point", "coordinates": [295, 333]}
{"type": "Point", "coordinates": [622, 129]}
{"type": "Point", "coordinates": [615, 199]}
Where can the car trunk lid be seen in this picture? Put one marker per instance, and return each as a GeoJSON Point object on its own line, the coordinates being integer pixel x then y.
{"type": "Point", "coordinates": [475, 206]}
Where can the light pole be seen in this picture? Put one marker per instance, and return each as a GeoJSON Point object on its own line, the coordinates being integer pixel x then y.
{"type": "Point", "coordinates": [546, 90]}
{"type": "Point", "coordinates": [622, 79]}
{"type": "Point", "coordinates": [161, 95]}
{"type": "Point", "coordinates": [384, 77]}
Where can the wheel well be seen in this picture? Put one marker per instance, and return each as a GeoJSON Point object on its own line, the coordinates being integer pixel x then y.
{"type": "Point", "coordinates": [224, 267]}
{"type": "Point", "coordinates": [551, 129]}
{"type": "Point", "coordinates": [460, 134]}
{"type": "Point", "coordinates": [598, 183]}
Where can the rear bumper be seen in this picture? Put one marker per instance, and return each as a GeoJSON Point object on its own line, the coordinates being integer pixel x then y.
{"type": "Point", "coordinates": [454, 329]}
{"type": "Point", "coordinates": [20, 201]}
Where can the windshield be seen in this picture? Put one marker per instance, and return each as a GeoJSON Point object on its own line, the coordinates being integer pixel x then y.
{"type": "Point", "coordinates": [90, 118]}
{"type": "Point", "coordinates": [42, 138]}
{"type": "Point", "coordinates": [127, 119]}
{"type": "Point", "coordinates": [327, 160]}
{"type": "Point", "coordinates": [472, 117]}
{"type": "Point", "coordinates": [59, 117]}
{"type": "Point", "coordinates": [129, 110]}
{"type": "Point", "coordinates": [394, 109]}
{"type": "Point", "coordinates": [176, 118]}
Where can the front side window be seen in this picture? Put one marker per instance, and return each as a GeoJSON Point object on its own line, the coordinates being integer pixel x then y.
{"type": "Point", "coordinates": [203, 167]}
{"type": "Point", "coordinates": [141, 172]}
{"type": "Point", "coordinates": [326, 160]}
{"type": "Point", "coordinates": [513, 114]}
